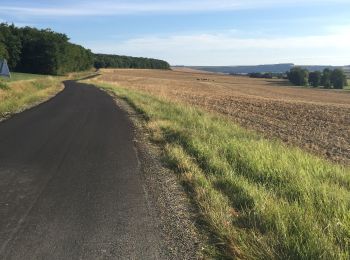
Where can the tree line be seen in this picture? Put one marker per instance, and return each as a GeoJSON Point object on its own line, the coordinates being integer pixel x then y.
{"type": "Point", "coordinates": [32, 50]}
{"type": "Point", "coordinates": [117, 61]}
{"type": "Point", "coordinates": [267, 75]}
{"type": "Point", "coordinates": [41, 51]}
{"type": "Point", "coordinates": [327, 78]}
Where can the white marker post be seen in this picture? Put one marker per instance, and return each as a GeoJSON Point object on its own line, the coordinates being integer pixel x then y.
{"type": "Point", "coordinates": [4, 69]}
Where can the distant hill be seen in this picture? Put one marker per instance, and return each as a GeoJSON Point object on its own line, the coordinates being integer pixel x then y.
{"type": "Point", "coordinates": [320, 67]}
{"type": "Point", "coordinates": [273, 68]}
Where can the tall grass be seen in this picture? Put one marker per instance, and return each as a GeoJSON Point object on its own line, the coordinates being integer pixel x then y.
{"type": "Point", "coordinates": [260, 198]}
{"type": "Point", "coordinates": [16, 96]}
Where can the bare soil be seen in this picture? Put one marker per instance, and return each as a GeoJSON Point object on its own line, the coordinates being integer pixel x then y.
{"type": "Point", "coordinates": [316, 120]}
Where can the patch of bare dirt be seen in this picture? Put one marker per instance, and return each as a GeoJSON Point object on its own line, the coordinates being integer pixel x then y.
{"type": "Point", "coordinates": [314, 119]}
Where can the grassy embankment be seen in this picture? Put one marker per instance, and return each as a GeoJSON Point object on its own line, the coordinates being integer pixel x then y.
{"type": "Point", "coordinates": [259, 198]}
{"type": "Point", "coordinates": [25, 90]}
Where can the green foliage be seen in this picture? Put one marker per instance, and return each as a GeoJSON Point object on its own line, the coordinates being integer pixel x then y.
{"type": "Point", "coordinates": [315, 78]}
{"type": "Point", "coordinates": [116, 61]}
{"type": "Point", "coordinates": [3, 51]}
{"type": "Point", "coordinates": [42, 51]}
{"type": "Point", "coordinates": [298, 76]}
{"type": "Point", "coordinates": [31, 50]}
{"type": "Point", "coordinates": [259, 75]}
{"type": "Point", "coordinates": [338, 79]}
{"type": "Point", "coordinates": [326, 78]}
{"type": "Point", "coordinates": [11, 44]}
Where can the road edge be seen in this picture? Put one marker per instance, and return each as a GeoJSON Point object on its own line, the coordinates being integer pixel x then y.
{"type": "Point", "coordinates": [166, 195]}
{"type": "Point", "coordinates": [32, 105]}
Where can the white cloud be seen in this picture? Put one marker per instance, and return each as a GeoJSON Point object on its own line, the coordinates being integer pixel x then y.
{"type": "Point", "coordinates": [230, 49]}
{"type": "Point", "coordinates": [108, 7]}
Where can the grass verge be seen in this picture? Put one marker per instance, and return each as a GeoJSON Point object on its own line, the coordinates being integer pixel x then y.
{"type": "Point", "coordinates": [17, 76]}
{"type": "Point", "coordinates": [19, 95]}
{"type": "Point", "coordinates": [259, 198]}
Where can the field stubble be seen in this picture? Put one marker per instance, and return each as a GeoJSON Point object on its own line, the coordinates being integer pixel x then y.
{"type": "Point", "coordinates": [313, 119]}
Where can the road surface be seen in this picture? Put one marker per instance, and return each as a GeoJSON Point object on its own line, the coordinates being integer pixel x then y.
{"type": "Point", "coordinates": [70, 185]}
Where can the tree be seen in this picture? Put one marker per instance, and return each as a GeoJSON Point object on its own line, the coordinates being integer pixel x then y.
{"type": "Point", "coordinates": [338, 78]}
{"type": "Point", "coordinates": [12, 43]}
{"type": "Point", "coordinates": [326, 78]}
{"type": "Point", "coordinates": [98, 64]}
{"type": "Point", "coordinates": [315, 78]}
{"type": "Point", "coordinates": [42, 51]}
{"type": "Point", "coordinates": [298, 76]}
{"type": "Point", "coordinates": [3, 51]}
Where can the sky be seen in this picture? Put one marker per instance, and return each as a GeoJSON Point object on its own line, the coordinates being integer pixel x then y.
{"type": "Point", "coordinates": [198, 32]}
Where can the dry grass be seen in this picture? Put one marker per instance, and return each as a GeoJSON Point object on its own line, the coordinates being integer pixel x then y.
{"type": "Point", "coordinates": [313, 119]}
{"type": "Point", "coordinates": [190, 70]}
{"type": "Point", "coordinates": [260, 199]}
{"type": "Point", "coordinates": [20, 95]}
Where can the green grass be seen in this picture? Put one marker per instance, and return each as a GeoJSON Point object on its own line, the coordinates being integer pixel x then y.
{"type": "Point", "coordinates": [4, 85]}
{"type": "Point", "coordinates": [16, 76]}
{"type": "Point", "coordinates": [18, 95]}
{"type": "Point", "coordinates": [259, 198]}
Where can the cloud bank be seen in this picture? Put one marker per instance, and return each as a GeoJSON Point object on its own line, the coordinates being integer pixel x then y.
{"type": "Point", "coordinates": [230, 49]}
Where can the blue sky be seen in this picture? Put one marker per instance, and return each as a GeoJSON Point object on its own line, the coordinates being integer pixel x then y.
{"type": "Point", "coordinates": [198, 32]}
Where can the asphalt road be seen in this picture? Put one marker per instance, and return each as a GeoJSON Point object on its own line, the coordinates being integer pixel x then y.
{"type": "Point", "coordinates": [70, 185]}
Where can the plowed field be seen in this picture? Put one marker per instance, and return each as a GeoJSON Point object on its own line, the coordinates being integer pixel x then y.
{"type": "Point", "coordinates": [314, 119]}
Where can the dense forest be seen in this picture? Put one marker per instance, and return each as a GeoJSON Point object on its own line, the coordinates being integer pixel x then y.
{"type": "Point", "coordinates": [116, 61]}
{"type": "Point", "coordinates": [41, 51]}
{"type": "Point", "coordinates": [47, 52]}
